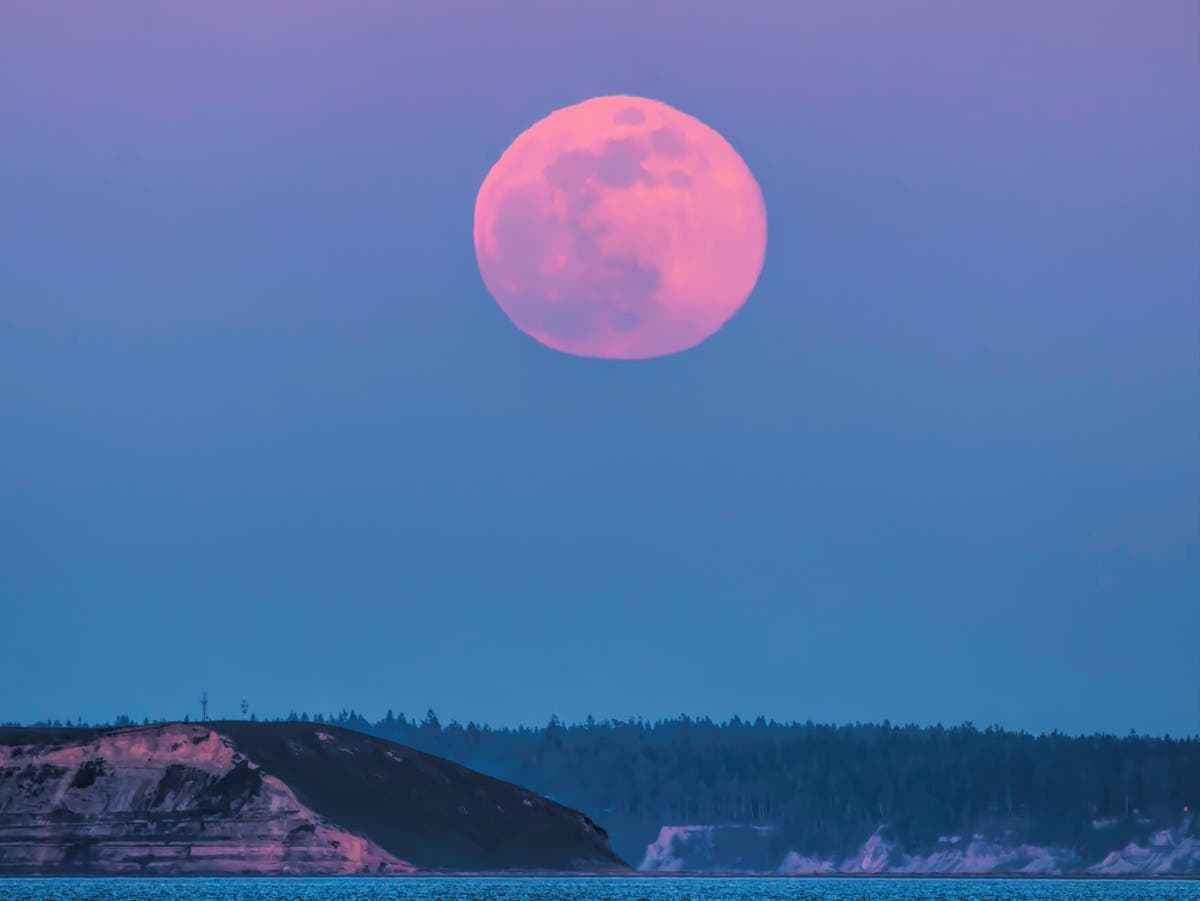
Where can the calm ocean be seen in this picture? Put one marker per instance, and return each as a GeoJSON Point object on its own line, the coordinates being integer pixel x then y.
{"type": "Point", "coordinates": [631, 889]}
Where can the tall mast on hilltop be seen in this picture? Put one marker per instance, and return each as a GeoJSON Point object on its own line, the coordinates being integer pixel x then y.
{"type": "Point", "coordinates": [204, 707]}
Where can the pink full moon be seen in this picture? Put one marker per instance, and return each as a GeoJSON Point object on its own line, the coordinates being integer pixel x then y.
{"type": "Point", "coordinates": [620, 228]}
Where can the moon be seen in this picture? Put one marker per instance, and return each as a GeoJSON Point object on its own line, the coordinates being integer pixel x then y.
{"type": "Point", "coordinates": [620, 228]}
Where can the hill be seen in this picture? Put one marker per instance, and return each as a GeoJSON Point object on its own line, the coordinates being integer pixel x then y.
{"type": "Point", "coordinates": [268, 798]}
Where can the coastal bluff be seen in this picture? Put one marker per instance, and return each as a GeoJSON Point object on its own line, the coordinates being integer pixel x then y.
{"type": "Point", "coordinates": [243, 798]}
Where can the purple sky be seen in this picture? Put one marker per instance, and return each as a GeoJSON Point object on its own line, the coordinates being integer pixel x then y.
{"type": "Point", "coordinates": [266, 435]}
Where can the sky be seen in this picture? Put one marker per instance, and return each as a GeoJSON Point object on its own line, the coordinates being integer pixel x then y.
{"type": "Point", "coordinates": [264, 433]}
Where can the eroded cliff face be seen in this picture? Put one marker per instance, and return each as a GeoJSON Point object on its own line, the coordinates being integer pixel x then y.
{"type": "Point", "coordinates": [172, 799]}
{"type": "Point", "coordinates": [269, 799]}
{"type": "Point", "coordinates": [1174, 850]}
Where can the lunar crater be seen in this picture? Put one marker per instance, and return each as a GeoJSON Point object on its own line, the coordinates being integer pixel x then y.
{"type": "Point", "coordinates": [620, 228]}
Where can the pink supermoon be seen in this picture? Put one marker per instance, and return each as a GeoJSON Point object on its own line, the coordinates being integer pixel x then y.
{"type": "Point", "coordinates": [621, 228]}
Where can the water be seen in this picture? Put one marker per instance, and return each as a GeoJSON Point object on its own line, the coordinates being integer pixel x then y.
{"type": "Point", "coordinates": [631, 889]}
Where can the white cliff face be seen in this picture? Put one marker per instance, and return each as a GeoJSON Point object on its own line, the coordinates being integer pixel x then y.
{"type": "Point", "coordinates": [1166, 851]}
{"type": "Point", "coordinates": [175, 799]}
{"type": "Point", "coordinates": [981, 856]}
{"type": "Point", "coordinates": [666, 853]}
{"type": "Point", "coordinates": [802, 865]}
{"type": "Point", "coordinates": [1176, 850]}
{"type": "Point", "coordinates": [725, 847]}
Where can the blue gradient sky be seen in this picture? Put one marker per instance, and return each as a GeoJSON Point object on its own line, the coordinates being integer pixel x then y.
{"type": "Point", "coordinates": [263, 432]}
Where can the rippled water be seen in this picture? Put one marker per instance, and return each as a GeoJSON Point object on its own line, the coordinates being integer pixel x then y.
{"type": "Point", "coordinates": [632, 889]}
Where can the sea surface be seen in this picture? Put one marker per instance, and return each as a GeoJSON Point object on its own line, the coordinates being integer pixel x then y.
{"type": "Point", "coordinates": [584, 889]}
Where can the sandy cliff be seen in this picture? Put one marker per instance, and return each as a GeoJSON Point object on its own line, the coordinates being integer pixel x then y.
{"type": "Point", "coordinates": [285, 798]}
{"type": "Point", "coordinates": [1165, 851]}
